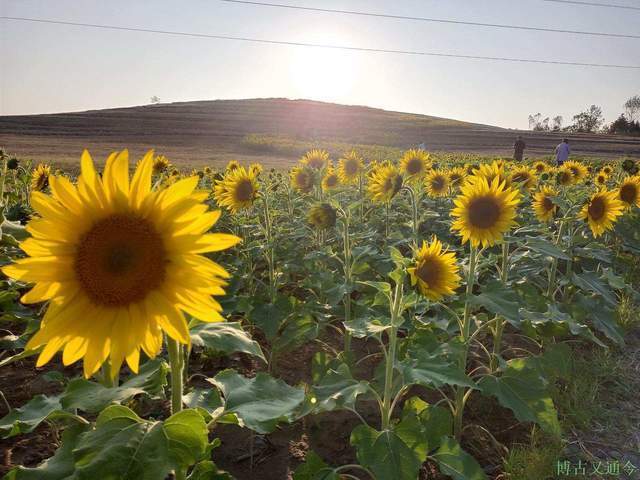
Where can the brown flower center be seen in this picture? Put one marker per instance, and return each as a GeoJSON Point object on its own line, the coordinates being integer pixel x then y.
{"type": "Point", "coordinates": [414, 166]}
{"type": "Point", "coordinates": [429, 272]}
{"type": "Point", "coordinates": [351, 167]}
{"type": "Point", "coordinates": [597, 208]}
{"type": "Point", "coordinates": [484, 212]}
{"type": "Point", "coordinates": [438, 183]}
{"type": "Point", "coordinates": [331, 181]}
{"type": "Point", "coordinates": [120, 260]}
{"type": "Point", "coordinates": [245, 191]}
{"type": "Point", "coordinates": [548, 204]}
{"type": "Point", "coordinates": [629, 193]}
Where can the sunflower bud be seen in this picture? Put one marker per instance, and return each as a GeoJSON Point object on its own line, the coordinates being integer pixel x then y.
{"type": "Point", "coordinates": [322, 216]}
{"type": "Point", "coordinates": [12, 163]}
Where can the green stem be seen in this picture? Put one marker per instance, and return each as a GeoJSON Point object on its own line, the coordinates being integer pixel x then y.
{"type": "Point", "coordinates": [3, 178]}
{"type": "Point", "coordinates": [500, 322]}
{"type": "Point", "coordinates": [348, 282]}
{"type": "Point", "coordinates": [176, 360]}
{"type": "Point", "coordinates": [466, 327]}
{"type": "Point", "coordinates": [554, 265]}
{"type": "Point", "coordinates": [270, 253]}
{"type": "Point", "coordinates": [391, 357]}
{"type": "Point", "coordinates": [414, 211]}
{"type": "Point", "coordinates": [386, 221]}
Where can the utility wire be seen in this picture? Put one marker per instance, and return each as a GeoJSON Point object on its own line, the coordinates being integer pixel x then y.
{"type": "Point", "coordinates": [317, 45]}
{"type": "Point", "coordinates": [593, 4]}
{"type": "Point", "coordinates": [433, 20]}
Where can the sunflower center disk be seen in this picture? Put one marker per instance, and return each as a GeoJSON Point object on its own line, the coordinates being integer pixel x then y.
{"type": "Point", "coordinates": [414, 166]}
{"type": "Point", "coordinates": [429, 273]}
{"type": "Point", "coordinates": [629, 194]}
{"type": "Point", "coordinates": [120, 260]}
{"type": "Point", "coordinates": [548, 204]}
{"type": "Point", "coordinates": [484, 212]}
{"type": "Point", "coordinates": [597, 209]}
{"type": "Point", "coordinates": [244, 191]}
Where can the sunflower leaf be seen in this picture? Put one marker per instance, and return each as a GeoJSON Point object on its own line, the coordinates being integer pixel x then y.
{"type": "Point", "coordinates": [225, 337]}
{"type": "Point", "coordinates": [457, 463]}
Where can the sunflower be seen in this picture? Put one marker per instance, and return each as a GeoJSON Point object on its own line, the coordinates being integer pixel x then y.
{"type": "Point", "coordinates": [578, 170]}
{"type": "Point", "coordinates": [119, 264]}
{"type": "Point", "coordinates": [207, 171]}
{"type": "Point", "coordinates": [160, 164]}
{"type": "Point", "coordinates": [435, 271]}
{"type": "Point", "coordinates": [490, 172]}
{"type": "Point", "coordinates": [543, 205]}
{"type": "Point", "coordinates": [384, 182]}
{"type": "Point", "coordinates": [256, 169]}
{"type": "Point", "coordinates": [350, 167]}
{"type": "Point", "coordinates": [564, 176]}
{"type": "Point", "coordinates": [524, 177]}
{"type": "Point", "coordinates": [330, 180]}
{"type": "Point", "coordinates": [322, 216]}
{"type": "Point", "coordinates": [302, 178]}
{"type": "Point", "coordinates": [315, 158]}
{"type": "Point", "coordinates": [471, 168]}
{"type": "Point", "coordinates": [629, 166]}
{"type": "Point", "coordinates": [456, 176]}
{"type": "Point", "coordinates": [601, 211]}
{"type": "Point", "coordinates": [484, 211]}
{"type": "Point", "coordinates": [629, 191]}
{"type": "Point", "coordinates": [607, 169]}
{"type": "Point", "coordinates": [540, 167]}
{"type": "Point", "coordinates": [12, 163]}
{"type": "Point", "coordinates": [237, 190]}
{"type": "Point", "coordinates": [601, 179]}
{"type": "Point", "coordinates": [232, 165]}
{"type": "Point", "coordinates": [40, 177]}
{"type": "Point", "coordinates": [437, 184]}
{"type": "Point", "coordinates": [414, 163]}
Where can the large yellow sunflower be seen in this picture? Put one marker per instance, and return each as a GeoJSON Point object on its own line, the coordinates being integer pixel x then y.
{"type": "Point", "coordinates": [602, 211]}
{"type": "Point", "coordinates": [541, 167]}
{"type": "Point", "coordinates": [484, 211]}
{"type": "Point", "coordinates": [564, 176]}
{"type": "Point", "coordinates": [237, 190]}
{"type": "Point", "coordinates": [601, 179]}
{"type": "Point", "coordinates": [315, 158]}
{"type": "Point", "coordinates": [524, 177]}
{"type": "Point", "coordinates": [302, 178]}
{"type": "Point", "coordinates": [119, 264]}
{"type": "Point", "coordinates": [457, 176]}
{"type": "Point", "coordinates": [350, 167]}
{"type": "Point", "coordinates": [578, 170]}
{"type": "Point", "coordinates": [322, 216]}
{"type": "Point", "coordinates": [607, 169]}
{"type": "Point", "coordinates": [543, 205]}
{"type": "Point", "coordinates": [384, 183]}
{"type": "Point", "coordinates": [437, 184]}
{"type": "Point", "coordinates": [435, 271]}
{"type": "Point", "coordinates": [490, 171]}
{"type": "Point", "coordinates": [40, 177]}
{"type": "Point", "coordinates": [415, 163]}
{"type": "Point", "coordinates": [629, 191]}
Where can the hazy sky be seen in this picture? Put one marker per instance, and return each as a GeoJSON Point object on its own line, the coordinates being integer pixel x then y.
{"type": "Point", "coordinates": [54, 68]}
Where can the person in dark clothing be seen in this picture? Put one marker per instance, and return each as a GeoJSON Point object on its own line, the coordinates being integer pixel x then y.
{"type": "Point", "coordinates": [518, 149]}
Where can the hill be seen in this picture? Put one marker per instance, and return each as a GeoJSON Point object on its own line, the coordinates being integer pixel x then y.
{"type": "Point", "coordinates": [274, 131]}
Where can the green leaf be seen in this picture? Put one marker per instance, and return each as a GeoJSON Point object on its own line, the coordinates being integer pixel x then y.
{"type": "Point", "coordinates": [591, 282]}
{"type": "Point", "coordinates": [365, 326]}
{"type": "Point", "coordinates": [499, 300]}
{"type": "Point", "coordinates": [33, 413]}
{"type": "Point", "coordinates": [603, 318]}
{"type": "Point", "coordinates": [422, 426]}
{"type": "Point", "coordinates": [457, 463]}
{"type": "Point", "coordinates": [382, 287]}
{"type": "Point", "coordinates": [92, 397]}
{"type": "Point", "coordinates": [385, 454]}
{"type": "Point", "coordinates": [269, 317]}
{"type": "Point", "coordinates": [546, 248]}
{"type": "Point", "coordinates": [59, 466]}
{"type": "Point", "coordinates": [521, 389]}
{"type": "Point", "coordinates": [260, 402]}
{"type": "Point", "coordinates": [553, 322]}
{"type": "Point", "coordinates": [206, 398]}
{"type": "Point", "coordinates": [225, 337]}
{"type": "Point", "coordinates": [187, 436]}
{"type": "Point", "coordinates": [434, 371]}
{"type": "Point", "coordinates": [314, 468]}
{"type": "Point", "coordinates": [338, 389]}
{"type": "Point", "coordinates": [208, 470]}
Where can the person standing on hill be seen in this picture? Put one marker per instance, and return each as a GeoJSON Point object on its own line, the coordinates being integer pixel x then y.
{"type": "Point", "coordinates": [562, 152]}
{"type": "Point", "coordinates": [518, 149]}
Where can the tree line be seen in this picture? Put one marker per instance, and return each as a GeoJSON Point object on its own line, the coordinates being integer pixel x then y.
{"type": "Point", "coordinates": [592, 121]}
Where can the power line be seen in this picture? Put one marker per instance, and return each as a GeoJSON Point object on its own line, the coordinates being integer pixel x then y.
{"type": "Point", "coordinates": [318, 45]}
{"type": "Point", "coordinates": [433, 20]}
{"type": "Point", "coordinates": [593, 4]}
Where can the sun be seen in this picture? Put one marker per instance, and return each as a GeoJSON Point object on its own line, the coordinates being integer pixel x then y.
{"type": "Point", "coordinates": [322, 73]}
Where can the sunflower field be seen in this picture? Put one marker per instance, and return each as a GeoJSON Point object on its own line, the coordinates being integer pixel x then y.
{"type": "Point", "coordinates": [400, 319]}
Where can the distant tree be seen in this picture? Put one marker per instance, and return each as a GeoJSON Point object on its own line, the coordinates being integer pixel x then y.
{"type": "Point", "coordinates": [622, 126]}
{"type": "Point", "coordinates": [556, 126]}
{"type": "Point", "coordinates": [632, 106]}
{"type": "Point", "coordinates": [538, 124]}
{"type": "Point", "coordinates": [155, 99]}
{"type": "Point", "coordinates": [588, 121]}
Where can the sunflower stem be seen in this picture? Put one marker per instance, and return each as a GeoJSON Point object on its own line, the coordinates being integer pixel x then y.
{"type": "Point", "coordinates": [176, 361]}
{"type": "Point", "coordinates": [554, 265]}
{"type": "Point", "coordinates": [348, 281]}
{"type": "Point", "coordinates": [270, 256]}
{"type": "Point", "coordinates": [500, 322]}
{"type": "Point", "coordinates": [466, 327]}
{"type": "Point", "coordinates": [396, 306]}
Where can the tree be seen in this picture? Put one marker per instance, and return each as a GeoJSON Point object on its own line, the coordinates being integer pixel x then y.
{"type": "Point", "coordinates": [632, 106]}
{"type": "Point", "coordinates": [557, 123]}
{"type": "Point", "coordinates": [622, 126]}
{"type": "Point", "coordinates": [155, 99]}
{"type": "Point", "coordinates": [538, 124]}
{"type": "Point", "coordinates": [588, 121]}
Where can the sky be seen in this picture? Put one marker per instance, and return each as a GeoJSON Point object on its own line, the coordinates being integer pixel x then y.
{"type": "Point", "coordinates": [48, 68]}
